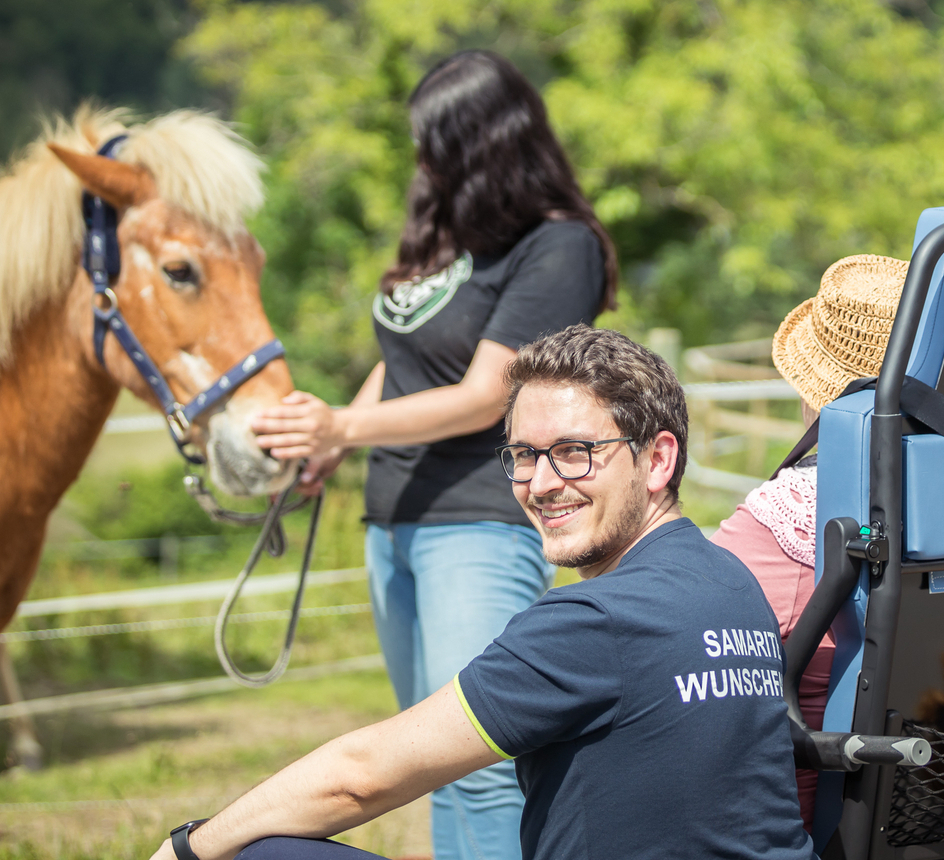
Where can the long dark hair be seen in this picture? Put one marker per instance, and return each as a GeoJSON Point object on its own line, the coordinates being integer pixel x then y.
{"type": "Point", "coordinates": [489, 170]}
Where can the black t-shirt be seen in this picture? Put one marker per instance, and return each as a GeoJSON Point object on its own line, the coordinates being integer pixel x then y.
{"type": "Point", "coordinates": [428, 332]}
{"type": "Point", "coordinates": [645, 712]}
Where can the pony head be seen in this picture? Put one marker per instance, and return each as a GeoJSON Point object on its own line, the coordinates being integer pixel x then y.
{"type": "Point", "coordinates": [188, 286]}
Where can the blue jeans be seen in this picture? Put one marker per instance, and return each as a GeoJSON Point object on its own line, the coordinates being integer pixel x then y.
{"type": "Point", "coordinates": [441, 594]}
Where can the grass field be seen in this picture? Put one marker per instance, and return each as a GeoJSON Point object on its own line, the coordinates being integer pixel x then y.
{"type": "Point", "coordinates": [117, 782]}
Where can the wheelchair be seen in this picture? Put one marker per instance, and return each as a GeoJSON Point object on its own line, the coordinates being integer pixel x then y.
{"type": "Point", "coordinates": [880, 588]}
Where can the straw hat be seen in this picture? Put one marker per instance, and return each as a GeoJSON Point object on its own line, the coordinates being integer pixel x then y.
{"type": "Point", "coordinates": [841, 333]}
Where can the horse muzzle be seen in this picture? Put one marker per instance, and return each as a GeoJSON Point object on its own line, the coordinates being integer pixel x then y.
{"type": "Point", "coordinates": [238, 466]}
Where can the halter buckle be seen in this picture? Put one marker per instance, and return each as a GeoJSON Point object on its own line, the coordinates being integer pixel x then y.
{"type": "Point", "coordinates": [193, 484]}
{"type": "Point", "coordinates": [104, 303]}
{"type": "Point", "coordinates": [179, 424]}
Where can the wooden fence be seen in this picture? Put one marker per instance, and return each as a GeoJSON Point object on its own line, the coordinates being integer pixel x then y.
{"type": "Point", "coordinates": [730, 390]}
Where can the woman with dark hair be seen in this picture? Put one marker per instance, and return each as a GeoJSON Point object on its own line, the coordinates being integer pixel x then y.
{"type": "Point", "coordinates": [499, 247]}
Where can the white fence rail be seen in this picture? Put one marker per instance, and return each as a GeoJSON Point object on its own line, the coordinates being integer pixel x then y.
{"type": "Point", "coordinates": [163, 595]}
{"type": "Point", "coordinates": [726, 374]}
{"type": "Point", "coordinates": [154, 694]}
{"type": "Point", "coordinates": [150, 694]}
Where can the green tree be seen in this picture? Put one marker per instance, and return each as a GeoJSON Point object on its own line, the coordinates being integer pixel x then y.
{"type": "Point", "coordinates": [327, 107]}
{"type": "Point", "coordinates": [55, 54]}
{"type": "Point", "coordinates": [734, 148]}
{"type": "Point", "coordinates": [787, 135]}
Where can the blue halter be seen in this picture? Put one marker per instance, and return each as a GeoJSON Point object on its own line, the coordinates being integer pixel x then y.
{"type": "Point", "coordinates": [101, 258]}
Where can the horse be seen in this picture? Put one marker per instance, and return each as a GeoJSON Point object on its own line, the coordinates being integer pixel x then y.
{"type": "Point", "coordinates": [186, 292]}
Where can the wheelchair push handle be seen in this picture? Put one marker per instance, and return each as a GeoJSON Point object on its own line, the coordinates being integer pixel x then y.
{"type": "Point", "coordinates": [848, 751]}
{"type": "Point", "coordinates": [877, 749]}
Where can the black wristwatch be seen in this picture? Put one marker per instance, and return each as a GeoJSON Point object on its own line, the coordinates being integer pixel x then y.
{"type": "Point", "coordinates": [180, 839]}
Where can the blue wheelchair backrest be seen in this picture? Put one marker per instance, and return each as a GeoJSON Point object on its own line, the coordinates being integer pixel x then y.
{"type": "Point", "coordinates": [843, 491]}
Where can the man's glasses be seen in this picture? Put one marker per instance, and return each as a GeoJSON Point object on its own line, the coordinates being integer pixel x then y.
{"type": "Point", "coordinates": [570, 459]}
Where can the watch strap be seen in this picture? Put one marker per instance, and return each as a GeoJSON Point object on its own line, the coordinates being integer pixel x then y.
{"type": "Point", "coordinates": [180, 839]}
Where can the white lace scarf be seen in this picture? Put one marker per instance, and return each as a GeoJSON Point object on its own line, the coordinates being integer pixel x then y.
{"type": "Point", "coordinates": [787, 506]}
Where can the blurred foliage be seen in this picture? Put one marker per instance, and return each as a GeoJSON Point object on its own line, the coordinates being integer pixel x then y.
{"type": "Point", "coordinates": [142, 503]}
{"type": "Point", "coordinates": [734, 149]}
{"type": "Point", "coordinates": [151, 503]}
{"type": "Point", "coordinates": [783, 136]}
{"type": "Point", "coordinates": [54, 54]}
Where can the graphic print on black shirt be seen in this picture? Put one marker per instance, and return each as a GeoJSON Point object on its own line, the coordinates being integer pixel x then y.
{"type": "Point", "coordinates": [412, 303]}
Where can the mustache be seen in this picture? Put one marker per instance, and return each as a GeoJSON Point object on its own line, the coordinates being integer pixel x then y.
{"type": "Point", "coordinates": [558, 498]}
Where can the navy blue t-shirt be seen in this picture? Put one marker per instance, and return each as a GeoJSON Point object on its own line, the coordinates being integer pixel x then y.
{"type": "Point", "coordinates": [644, 711]}
{"type": "Point", "coordinates": [429, 331]}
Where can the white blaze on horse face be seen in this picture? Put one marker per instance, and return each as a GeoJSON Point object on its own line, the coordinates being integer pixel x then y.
{"type": "Point", "coordinates": [202, 374]}
{"type": "Point", "coordinates": [140, 258]}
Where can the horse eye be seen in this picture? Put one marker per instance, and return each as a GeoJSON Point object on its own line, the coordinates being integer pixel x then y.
{"type": "Point", "coordinates": [180, 273]}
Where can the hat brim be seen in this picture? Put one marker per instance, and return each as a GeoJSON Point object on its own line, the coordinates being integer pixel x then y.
{"type": "Point", "coordinates": [817, 376]}
{"type": "Point", "coordinates": [841, 333]}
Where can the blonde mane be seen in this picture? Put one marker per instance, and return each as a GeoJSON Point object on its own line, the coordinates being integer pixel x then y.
{"type": "Point", "coordinates": [198, 162]}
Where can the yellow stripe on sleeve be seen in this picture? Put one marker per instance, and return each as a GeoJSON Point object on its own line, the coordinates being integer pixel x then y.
{"type": "Point", "coordinates": [475, 722]}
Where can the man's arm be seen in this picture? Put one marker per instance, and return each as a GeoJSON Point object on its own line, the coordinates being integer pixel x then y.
{"type": "Point", "coordinates": [351, 779]}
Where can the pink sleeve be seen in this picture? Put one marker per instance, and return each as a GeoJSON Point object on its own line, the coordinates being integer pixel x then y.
{"type": "Point", "coordinates": [786, 583]}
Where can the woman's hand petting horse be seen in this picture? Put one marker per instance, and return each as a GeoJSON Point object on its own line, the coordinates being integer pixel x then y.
{"type": "Point", "coordinates": [302, 426]}
{"type": "Point", "coordinates": [305, 426]}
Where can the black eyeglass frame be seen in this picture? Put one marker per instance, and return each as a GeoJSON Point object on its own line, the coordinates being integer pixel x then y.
{"type": "Point", "coordinates": [547, 453]}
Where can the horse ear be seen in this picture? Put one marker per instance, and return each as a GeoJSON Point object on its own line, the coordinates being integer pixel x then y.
{"type": "Point", "coordinates": [116, 182]}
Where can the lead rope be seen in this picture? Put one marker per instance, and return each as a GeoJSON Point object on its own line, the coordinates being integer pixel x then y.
{"type": "Point", "coordinates": [272, 523]}
{"type": "Point", "coordinates": [198, 491]}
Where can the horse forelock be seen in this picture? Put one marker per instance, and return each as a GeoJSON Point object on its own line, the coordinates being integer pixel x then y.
{"type": "Point", "coordinates": [199, 164]}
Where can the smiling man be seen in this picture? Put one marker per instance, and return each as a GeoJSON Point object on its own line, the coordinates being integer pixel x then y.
{"type": "Point", "coordinates": [592, 496]}
{"type": "Point", "coordinates": [642, 706]}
